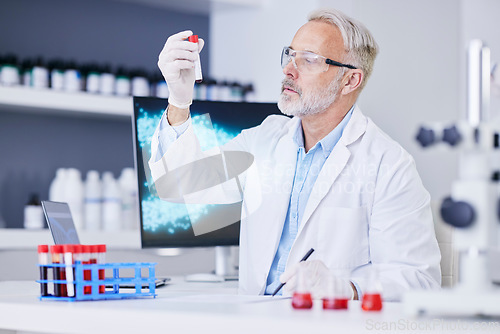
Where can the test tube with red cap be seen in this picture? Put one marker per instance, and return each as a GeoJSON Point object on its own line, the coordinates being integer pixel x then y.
{"type": "Point", "coordinates": [101, 259]}
{"type": "Point", "coordinates": [87, 289]}
{"type": "Point", "coordinates": [68, 261]}
{"type": "Point", "coordinates": [197, 62]}
{"type": "Point", "coordinates": [59, 272]}
{"type": "Point", "coordinates": [43, 259]}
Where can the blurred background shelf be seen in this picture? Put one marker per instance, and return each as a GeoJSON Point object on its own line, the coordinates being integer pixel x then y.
{"type": "Point", "coordinates": [46, 101]}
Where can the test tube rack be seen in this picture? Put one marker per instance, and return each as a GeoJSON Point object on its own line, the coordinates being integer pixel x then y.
{"type": "Point", "coordinates": [80, 284]}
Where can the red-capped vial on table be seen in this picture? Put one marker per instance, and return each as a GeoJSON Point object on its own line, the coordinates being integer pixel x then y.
{"type": "Point", "coordinates": [372, 297]}
{"type": "Point", "coordinates": [43, 260]}
{"type": "Point", "coordinates": [101, 259]}
{"type": "Point", "coordinates": [302, 296]}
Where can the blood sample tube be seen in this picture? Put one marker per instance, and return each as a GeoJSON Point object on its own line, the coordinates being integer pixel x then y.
{"type": "Point", "coordinates": [372, 299]}
{"type": "Point", "coordinates": [93, 260]}
{"type": "Point", "coordinates": [101, 259]}
{"type": "Point", "coordinates": [337, 292]}
{"type": "Point", "coordinates": [197, 63]}
{"type": "Point", "coordinates": [77, 257]}
{"type": "Point", "coordinates": [43, 259]}
{"type": "Point", "coordinates": [68, 262]}
{"type": "Point", "coordinates": [87, 289]}
{"type": "Point", "coordinates": [59, 271]}
{"type": "Point", "coordinates": [302, 297]}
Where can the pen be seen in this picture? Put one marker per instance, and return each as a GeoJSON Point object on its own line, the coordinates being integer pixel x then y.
{"type": "Point", "coordinates": [309, 252]}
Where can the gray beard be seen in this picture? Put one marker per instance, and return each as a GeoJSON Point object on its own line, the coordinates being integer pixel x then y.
{"type": "Point", "coordinates": [308, 104]}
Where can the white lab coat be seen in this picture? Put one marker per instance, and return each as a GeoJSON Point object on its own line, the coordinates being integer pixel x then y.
{"type": "Point", "coordinates": [368, 207]}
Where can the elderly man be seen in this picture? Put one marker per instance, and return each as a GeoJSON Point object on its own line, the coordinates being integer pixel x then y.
{"type": "Point", "coordinates": [327, 179]}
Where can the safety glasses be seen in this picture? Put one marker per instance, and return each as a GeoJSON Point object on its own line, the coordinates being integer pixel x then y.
{"type": "Point", "coordinates": [308, 62]}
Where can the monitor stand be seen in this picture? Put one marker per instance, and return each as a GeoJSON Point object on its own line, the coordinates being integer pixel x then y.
{"type": "Point", "coordinates": [224, 269]}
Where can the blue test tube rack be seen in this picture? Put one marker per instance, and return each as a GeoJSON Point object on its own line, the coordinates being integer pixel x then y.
{"type": "Point", "coordinates": [116, 281]}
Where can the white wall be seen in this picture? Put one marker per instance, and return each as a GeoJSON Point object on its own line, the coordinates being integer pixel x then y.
{"type": "Point", "coordinates": [418, 76]}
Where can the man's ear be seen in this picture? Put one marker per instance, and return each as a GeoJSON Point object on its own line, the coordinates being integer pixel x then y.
{"type": "Point", "coordinates": [353, 80]}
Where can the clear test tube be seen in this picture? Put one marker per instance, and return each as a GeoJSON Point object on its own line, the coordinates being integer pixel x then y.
{"type": "Point", "coordinates": [101, 259]}
{"type": "Point", "coordinates": [197, 62]}
{"type": "Point", "coordinates": [43, 259]}
{"type": "Point", "coordinates": [70, 276]}
{"type": "Point", "coordinates": [302, 296]}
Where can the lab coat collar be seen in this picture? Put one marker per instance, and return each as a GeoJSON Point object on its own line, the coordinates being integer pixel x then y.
{"type": "Point", "coordinates": [334, 165]}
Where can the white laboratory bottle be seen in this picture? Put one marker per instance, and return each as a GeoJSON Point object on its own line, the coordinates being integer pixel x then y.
{"type": "Point", "coordinates": [111, 204]}
{"type": "Point", "coordinates": [57, 186]}
{"type": "Point", "coordinates": [107, 81]}
{"type": "Point", "coordinates": [122, 83]}
{"type": "Point", "coordinates": [40, 74]}
{"type": "Point", "coordinates": [74, 196]}
{"type": "Point", "coordinates": [93, 201]}
{"type": "Point", "coordinates": [33, 214]}
{"type": "Point", "coordinates": [128, 186]}
{"type": "Point", "coordinates": [140, 83]}
{"type": "Point", "coordinates": [72, 78]}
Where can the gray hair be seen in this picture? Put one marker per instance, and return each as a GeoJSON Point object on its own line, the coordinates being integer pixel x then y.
{"type": "Point", "coordinates": [359, 43]}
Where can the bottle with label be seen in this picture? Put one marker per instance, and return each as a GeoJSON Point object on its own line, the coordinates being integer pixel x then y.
{"type": "Point", "coordinates": [33, 214]}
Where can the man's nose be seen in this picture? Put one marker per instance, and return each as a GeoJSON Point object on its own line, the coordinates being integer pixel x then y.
{"type": "Point", "coordinates": [290, 70]}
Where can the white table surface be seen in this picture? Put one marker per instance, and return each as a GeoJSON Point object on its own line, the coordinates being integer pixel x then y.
{"type": "Point", "coordinates": [182, 307]}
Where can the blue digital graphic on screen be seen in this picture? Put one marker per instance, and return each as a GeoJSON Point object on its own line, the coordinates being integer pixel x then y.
{"type": "Point", "coordinates": [174, 216]}
{"type": "Point", "coordinates": [166, 224]}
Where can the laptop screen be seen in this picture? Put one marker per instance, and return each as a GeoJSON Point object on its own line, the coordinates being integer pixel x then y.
{"type": "Point", "coordinates": [60, 222]}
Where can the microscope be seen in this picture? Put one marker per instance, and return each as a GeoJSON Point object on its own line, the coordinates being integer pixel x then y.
{"type": "Point", "coordinates": [473, 208]}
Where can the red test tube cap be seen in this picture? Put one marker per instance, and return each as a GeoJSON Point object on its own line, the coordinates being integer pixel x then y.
{"type": "Point", "coordinates": [77, 248]}
{"type": "Point", "coordinates": [56, 249]}
{"type": "Point", "coordinates": [86, 249]}
{"type": "Point", "coordinates": [101, 248]}
{"type": "Point", "coordinates": [94, 248]}
{"type": "Point", "coordinates": [43, 248]}
{"type": "Point", "coordinates": [68, 248]}
{"type": "Point", "coordinates": [193, 38]}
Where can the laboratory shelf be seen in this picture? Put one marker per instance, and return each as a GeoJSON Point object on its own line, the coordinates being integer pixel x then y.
{"type": "Point", "coordinates": [21, 239]}
{"type": "Point", "coordinates": [50, 102]}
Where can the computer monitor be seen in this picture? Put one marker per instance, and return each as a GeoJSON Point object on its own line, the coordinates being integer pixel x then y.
{"type": "Point", "coordinates": [169, 225]}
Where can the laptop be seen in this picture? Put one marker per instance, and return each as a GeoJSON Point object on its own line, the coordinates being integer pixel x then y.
{"type": "Point", "coordinates": [63, 230]}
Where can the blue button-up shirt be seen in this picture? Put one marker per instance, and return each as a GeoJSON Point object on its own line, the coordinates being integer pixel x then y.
{"type": "Point", "coordinates": [307, 170]}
